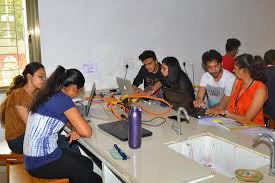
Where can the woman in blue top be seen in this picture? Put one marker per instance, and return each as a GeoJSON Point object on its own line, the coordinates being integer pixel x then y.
{"type": "Point", "coordinates": [51, 110]}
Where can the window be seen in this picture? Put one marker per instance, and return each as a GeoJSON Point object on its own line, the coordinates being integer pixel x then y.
{"type": "Point", "coordinates": [18, 38]}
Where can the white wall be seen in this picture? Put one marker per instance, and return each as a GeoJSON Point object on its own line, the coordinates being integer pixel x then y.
{"type": "Point", "coordinates": [108, 32]}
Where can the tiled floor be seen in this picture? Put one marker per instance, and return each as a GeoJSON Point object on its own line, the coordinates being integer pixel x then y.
{"type": "Point", "coordinates": [3, 178]}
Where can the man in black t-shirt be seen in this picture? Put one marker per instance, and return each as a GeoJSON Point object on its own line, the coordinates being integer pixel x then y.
{"type": "Point", "coordinates": [149, 74]}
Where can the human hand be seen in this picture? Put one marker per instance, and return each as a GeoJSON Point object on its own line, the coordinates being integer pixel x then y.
{"type": "Point", "coordinates": [73, 135]}
{"type": "Point", "coordinates": [137, 90]}
{"type": "Point", "coordinates": [147, 93]}
{"type": "Point", "coordinates": [199, 103]}
{"type": "Point", "coordinates": [214, 112]}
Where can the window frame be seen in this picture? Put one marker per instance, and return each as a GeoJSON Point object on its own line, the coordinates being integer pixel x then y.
{"type": "Point", "coordinates": [33, 34]}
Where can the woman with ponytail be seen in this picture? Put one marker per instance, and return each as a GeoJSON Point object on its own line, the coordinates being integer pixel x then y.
{"type": "Point", "coordinates": [51, 110]}
{"type": "Point", "coordinates": [15, 108]}
{"type": "Point", "coordinates": [249, 91]}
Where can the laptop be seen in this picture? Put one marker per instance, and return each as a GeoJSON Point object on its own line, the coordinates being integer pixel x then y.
{"type": "Point", "coordinates": [179, 98]}
{"type": "Point", "coordinates": [119, 129]}
{"type": "Point", "coordinates": [83, 107]}
{"type": "Point", "coordinates": [92, 95]}
{"type": "Point", "coordinates": [125, 86]}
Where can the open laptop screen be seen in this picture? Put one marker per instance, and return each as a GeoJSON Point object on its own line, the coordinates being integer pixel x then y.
{"type": "Point", "coordinates": [92, 94]}
{"type": "Point", "coordinates": [125, 86]}
{"type": "Point", "coordinates": [84, 106]}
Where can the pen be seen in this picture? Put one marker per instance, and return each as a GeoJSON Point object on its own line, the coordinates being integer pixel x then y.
{"type": "Point", "coordinates": [123, 155]}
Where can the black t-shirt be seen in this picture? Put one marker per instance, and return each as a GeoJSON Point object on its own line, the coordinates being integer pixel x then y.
{"type": "Point", "coordinates": [180, 93]}
{"type": "Point", "coordinates": [149, 79]}
{"type": "Point", "coordinates": [270, 83]}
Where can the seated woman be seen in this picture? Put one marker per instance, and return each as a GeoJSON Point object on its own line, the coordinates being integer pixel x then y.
{"type": "Point", "coordinates": [15, 108]}
{"type": "Point", "coordinates": [249, 92]}
{"type": "Point", "coordinates": [269, 58]}
{"type": "Point", "coordinates": [177, 87]}
{"type": "Point", "coordinates": [51, 110]}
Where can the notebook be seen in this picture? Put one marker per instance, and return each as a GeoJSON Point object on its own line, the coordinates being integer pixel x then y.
{"type": "Point", "coordinates": [119, 129]}
{"type": "Point", "coordinates": [125, 86]}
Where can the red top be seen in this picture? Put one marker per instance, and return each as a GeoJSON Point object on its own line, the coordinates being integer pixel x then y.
{"type": "Point", "coordinates": [242, 103]}
{"type": "Point", "coordinates": [228, 62]}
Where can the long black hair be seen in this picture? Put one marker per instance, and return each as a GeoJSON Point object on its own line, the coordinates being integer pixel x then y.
{"type": "Point", "coordinates": [254, 65]}
{"type": "Point", "coordinates": [20, 80]}
{"type": "Point", "coordinates": [174, 70]}
{"type": "Point", "coordinates": [59, 78]}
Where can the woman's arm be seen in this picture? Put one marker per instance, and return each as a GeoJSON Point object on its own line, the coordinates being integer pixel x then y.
{"type": "Point", "coordinates": [80, 125]}
{"type": "Point", "coordinates": [23, 113]}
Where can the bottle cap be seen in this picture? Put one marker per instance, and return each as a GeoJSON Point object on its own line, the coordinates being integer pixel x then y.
{"type": "Point", "coordinates": [134, 107]}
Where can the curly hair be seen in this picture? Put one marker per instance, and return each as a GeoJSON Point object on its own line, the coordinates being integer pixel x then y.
{"type": "Point", "coordinates": [210, 56]}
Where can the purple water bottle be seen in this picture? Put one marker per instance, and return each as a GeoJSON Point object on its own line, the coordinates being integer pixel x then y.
{"type": "Point", "coordinates": [134, 131]}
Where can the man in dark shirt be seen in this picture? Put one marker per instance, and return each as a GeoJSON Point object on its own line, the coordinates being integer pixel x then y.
{"type": "Point", "coordinates": [149, 74]}
{"type": "Point", "coordinates": [269, 59]}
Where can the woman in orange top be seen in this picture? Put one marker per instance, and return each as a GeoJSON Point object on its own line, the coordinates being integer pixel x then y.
{"type": "Point", "coordinates": [249, 92]}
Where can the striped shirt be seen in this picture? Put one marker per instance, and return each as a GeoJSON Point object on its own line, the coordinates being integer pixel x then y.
{"type": "Point", "coordinates": [43, 127]}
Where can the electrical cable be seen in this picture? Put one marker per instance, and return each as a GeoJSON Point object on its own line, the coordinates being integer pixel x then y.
{"type": "Point", "coordinates": [193, 74]}
{"type": "Point", "coordinates": [184, 64]}
{"type": "Point", "coordinates": [145, 122]}
{"type": "Point", "coordinates": [113, 103]}
{"type": "Point", "coordinates": [126, 66]}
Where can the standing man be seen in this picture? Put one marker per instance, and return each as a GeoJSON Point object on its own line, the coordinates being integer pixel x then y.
{"type": "Point", "coordinates": [232, 49]}
{"type": "Point", "coordinates": [216, 83]}
{"type": "Point", "coordinates": [269, 58]}
{"type": "Point", "coordinates": [149, 74]}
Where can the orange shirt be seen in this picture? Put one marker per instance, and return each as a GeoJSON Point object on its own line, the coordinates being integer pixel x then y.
{"type": "Point", "coordinates": [241, 103]}
{"type": "Point", "coordinates": [14, 124]}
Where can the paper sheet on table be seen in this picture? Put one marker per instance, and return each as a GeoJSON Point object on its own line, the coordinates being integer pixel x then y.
{"type": "Point", "coordinates": [223, 122]}
{"type": "Point", "coordinates": [207, 121]}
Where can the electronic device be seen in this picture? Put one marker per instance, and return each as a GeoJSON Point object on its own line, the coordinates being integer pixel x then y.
{"type": "Point", "coordinates": [125, 86]}
{"type": "Point", "coordinates": [119, 129]}
{"type": "Point", "coordinates": [85, 108]}
{"type": "Point", "coordinates": [178, 98]}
